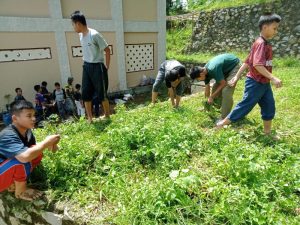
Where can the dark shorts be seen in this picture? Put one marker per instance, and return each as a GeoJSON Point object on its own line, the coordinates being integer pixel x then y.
{"type": "Point", "coordinates": [94, 81]}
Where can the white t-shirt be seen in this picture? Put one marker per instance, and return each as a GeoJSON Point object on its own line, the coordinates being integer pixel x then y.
{"type": "Point", "coordinates": [59, 95]}
{"type": "Point", "coordinates": [93, 45]}
{"type": "Point", "coordinates": [171, 64]}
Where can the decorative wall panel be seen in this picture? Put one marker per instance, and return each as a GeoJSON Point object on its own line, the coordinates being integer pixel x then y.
{"type": "Point", "coordinates": [139, 57]}
{"type": "Point", "coordinates": [25, 54]}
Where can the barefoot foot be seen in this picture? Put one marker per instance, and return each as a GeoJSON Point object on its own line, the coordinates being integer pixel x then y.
{"type": "Point", "coordinates": [29, 194]}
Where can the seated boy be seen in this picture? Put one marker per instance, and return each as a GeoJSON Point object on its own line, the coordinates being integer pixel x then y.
{"type": "Point", "coordinates": [41, 106]}
{"type": "Point", "coordinates": [257, 86]}
{"type": "Point", "coordinates": [19, 152]}
{"type": "Point", "coordinates": [19, 95]}
{"type": "Point", "coordinates": [172, 73]}
{"type": "Point", "coordinates": [59, 96]}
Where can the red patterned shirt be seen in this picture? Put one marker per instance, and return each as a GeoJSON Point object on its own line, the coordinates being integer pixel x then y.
{"type": "Point", "coordinates": [260, 55]}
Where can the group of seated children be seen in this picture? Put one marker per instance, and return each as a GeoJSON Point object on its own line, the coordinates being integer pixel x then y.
{"type": "Point", "coordinates": [64, 101]}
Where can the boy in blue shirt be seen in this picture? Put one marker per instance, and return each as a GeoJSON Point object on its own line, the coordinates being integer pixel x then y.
{"type": "Point", "coordinates": [257, 87]}
{"type": "Point", "coordinates": [19, 152]}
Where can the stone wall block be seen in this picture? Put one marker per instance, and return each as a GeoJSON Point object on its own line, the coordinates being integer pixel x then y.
{"type": "Point", "coordinates": [237, 28]}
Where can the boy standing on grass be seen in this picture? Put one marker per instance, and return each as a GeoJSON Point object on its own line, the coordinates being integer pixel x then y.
{"type": "Point", "coordinates": [94, 76]}
{"type": "Point", "coordinates": [257, 87]}
{"type": "Point", "coordinates": [19, 152]}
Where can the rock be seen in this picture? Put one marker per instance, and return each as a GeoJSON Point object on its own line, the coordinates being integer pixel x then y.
{"type": "Point", "coordinates": [244, 40]}
{"type": "Point", "coordinates": [52, 218]}
{"type": "Point", "coordinates": [14, 221]}
{"type": "Point", "coordinates": [297, 29]}
{"type": "Point", "coordinates": [2, 210]}
{"type": "Point", "coordinates": [23, 216]}
{"type": "Point", "coordinates": [285, 39]}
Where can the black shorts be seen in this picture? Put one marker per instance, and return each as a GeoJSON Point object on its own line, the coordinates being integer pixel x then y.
{"type": "Point", "coordinates": [94, 81]}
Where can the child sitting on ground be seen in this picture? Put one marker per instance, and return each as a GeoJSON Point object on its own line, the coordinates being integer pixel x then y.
{"type": "Point", "coordinates": [59, 96]}
{"type": "Point", "coordinates": [19, 152]}
{"type": "Point", "coordinates": [19, 95]}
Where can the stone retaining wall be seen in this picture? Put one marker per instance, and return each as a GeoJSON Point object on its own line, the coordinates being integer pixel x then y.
{"type": "Point", "coordinates": [236, 28]}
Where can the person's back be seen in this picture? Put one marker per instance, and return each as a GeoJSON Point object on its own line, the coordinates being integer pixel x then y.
{"type": "Point", "coordinates": [172, 64]}
{"type": "Point", "coordinates": [171, 72]}
{"type": "Point", "coordinates": [220, 66]}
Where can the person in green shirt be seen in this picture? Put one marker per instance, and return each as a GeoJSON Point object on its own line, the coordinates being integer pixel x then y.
{"type": "Point", "coordinates": [222, 69]}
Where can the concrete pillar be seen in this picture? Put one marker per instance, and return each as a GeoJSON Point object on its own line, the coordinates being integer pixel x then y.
{"type": "Point", "coordinates": [117, 16]}
{"type": "Point", "coordinates": [161, 23]}
{"type": "Point", "coordinates": [61, 41]}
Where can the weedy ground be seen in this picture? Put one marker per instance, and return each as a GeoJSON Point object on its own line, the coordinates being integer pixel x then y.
{"type": "Point", "coordinates": [159, 165]}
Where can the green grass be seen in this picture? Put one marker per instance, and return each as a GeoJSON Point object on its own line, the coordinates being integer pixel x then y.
{"type": "Point", "coordinates": [157, 165]}
{"type": "Point", "coordinates": [220, 4]}
{"type": "Point", "coordinates": [178, 37]}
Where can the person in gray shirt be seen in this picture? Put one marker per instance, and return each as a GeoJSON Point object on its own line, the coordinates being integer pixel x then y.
{"type": "Point", "coordinates": [94, 76]}
{"type": "Point", "coordinates": [172, 73]}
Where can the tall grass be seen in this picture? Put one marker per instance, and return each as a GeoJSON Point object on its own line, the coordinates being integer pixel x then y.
{"type": "Point", "coordinates": [219, 4]}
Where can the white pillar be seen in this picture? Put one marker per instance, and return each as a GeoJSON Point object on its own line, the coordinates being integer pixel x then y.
{"type": "Point", "coordinates": [117, 16]}
{"type": "Point", "coordinates": [161, 21]}
{"type": "Point", "coordinates": [61, 41]}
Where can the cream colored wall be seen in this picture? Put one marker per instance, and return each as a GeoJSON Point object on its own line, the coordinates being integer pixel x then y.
{"type": "Point", "coordinates": [92, 9]}
{"type": "Point", "coordinates": [134, 78]}
{"type": "Point", "coordinates": [76, 62]}
{"type": "Point", "coordinates": [24, 8]}
{"type": "Point", "coordinates": [140, 10]}
{"type": "Point", "coordinates": [25, 74]}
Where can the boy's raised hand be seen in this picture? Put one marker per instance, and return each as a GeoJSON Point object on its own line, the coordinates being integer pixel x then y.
{"type": "Point", "coordinates": [277, 82]}
{"type": "Point", "coordinates": [52, 140]}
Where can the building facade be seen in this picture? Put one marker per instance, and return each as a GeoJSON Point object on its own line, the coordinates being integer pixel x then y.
{"type": "Point", "coordinates": [37, 42]}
